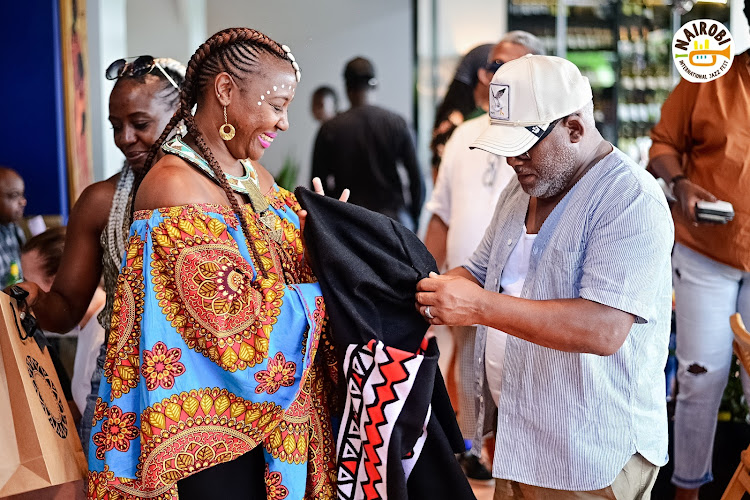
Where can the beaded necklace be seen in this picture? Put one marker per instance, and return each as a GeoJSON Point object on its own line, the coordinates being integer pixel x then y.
{"type": "Point", "coordinates": [247, 184]}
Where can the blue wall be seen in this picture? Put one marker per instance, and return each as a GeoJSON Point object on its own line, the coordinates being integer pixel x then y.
{"type": "Point", "coordinates": [32, 137]}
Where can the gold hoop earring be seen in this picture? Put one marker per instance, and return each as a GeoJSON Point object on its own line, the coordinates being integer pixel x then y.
{"type": "Point", "coordinates": [226, 131]}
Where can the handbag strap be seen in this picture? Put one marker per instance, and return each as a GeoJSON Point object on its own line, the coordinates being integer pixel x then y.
{"type": "Point", "coordinates": [21, 335]}
{"type": "Point", "coordinates": [28, 322]}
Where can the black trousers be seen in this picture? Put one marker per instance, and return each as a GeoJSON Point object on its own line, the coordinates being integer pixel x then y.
{"type": "Point", "coordinates": [239, 479]}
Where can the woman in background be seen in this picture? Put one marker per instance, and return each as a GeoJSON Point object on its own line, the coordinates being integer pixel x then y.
{"type": "Point", "coordinates": [143, 99]}
{"type": "Point", "coordinates": [459, 103]}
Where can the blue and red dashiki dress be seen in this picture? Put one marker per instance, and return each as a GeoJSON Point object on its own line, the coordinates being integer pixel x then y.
{"type": "Point", "coordinates": [208, 358]}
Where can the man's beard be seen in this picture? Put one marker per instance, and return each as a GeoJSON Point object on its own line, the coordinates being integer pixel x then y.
{"type": "Point", "coordinates": [556, 168]}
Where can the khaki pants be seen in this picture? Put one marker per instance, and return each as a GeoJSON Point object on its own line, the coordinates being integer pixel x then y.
{"type": "Point", "coordinates": [634, 482]}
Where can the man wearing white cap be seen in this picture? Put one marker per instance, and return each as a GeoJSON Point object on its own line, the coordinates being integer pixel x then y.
{"type": "Point", "coordinates": [468, 185]}
{"type": "Point", "coordinates": [575, 268]}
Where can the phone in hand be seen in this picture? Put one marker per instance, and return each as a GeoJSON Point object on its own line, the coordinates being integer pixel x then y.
{"type": "Point", "coordinates": [718, 212]}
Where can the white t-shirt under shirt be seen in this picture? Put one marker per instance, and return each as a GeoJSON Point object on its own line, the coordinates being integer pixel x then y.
{"type": "Point", "coordinates": [511, 281]}
{"type": "Point", "coordinates": [468, 186]}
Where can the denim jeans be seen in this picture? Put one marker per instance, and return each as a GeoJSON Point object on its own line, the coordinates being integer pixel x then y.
{"type": "Point", "coordinates": [84, 426]}
{"type": "Point", "coordinates": [707, 293]}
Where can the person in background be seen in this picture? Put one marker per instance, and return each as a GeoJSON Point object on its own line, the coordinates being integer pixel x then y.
{"type": "Point", "coordinates": [41, 257]}
{"type": "Point", "coordinates": [143, 99]}
{"type": "Point", "coordinates": [468, 185]}
{"type": "Point", "coordinates": [325, 104]}
{"type": "Point", "coordinates": [463, 101]}
{"type": "Point", "coordinates": [575, 268]}
{"type": "Point", "coordinates": [365, 148]}
{"type": "Point", "coordinates": [12, 203]}
{"type": "Point", "coordinates": [702, 149]}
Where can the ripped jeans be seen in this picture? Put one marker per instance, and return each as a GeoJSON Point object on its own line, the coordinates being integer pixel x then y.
{"type": "Point", "coordinates": [707, 293]}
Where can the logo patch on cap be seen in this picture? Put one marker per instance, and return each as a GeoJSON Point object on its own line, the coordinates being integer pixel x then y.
{"type": "Point", "coordinates": [499, 101]}
{"type": "Point", "coordinates": [536, 130]}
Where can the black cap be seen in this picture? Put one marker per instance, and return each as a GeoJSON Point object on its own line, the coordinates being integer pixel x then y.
{"type": "Point", "coordinates": [359, 73]}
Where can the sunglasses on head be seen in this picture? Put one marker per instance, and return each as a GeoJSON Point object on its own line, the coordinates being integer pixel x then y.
{"type": "Point", "coordinates": [140, 66]}
{"type": "Point", "coordinates": [493, 66]}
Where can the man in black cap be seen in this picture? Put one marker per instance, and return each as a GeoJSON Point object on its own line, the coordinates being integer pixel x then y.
{"type": "Point", "coordinates": [365, 147]}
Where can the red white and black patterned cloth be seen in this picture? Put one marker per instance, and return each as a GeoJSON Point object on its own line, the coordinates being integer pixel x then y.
{"type": "Point", "coordinates": [398, 435]}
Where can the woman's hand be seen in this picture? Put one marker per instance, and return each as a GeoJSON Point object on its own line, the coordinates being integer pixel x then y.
{"type": "Point", "coordinates": [33, 290]}
{"type": "Point", "coordinates": [318, 188]}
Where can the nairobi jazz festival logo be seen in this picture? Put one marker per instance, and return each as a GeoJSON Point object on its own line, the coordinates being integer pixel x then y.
{"type": "Point", "coordinates": [703, 50]}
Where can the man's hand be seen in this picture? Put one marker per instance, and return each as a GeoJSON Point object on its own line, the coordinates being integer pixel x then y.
{"type": "Point", "coordinates": [449, 300]}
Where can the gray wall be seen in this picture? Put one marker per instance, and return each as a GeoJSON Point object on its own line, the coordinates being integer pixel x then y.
{"type": "Point", "coordinates": [166, 28]}
{"type": "Point", "coordinates": [323, 36]}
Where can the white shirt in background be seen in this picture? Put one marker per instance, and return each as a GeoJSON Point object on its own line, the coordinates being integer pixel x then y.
{"type": "Point", "coordinates": [90, 339]}
{"type": "Point", "coordinates": [468, 186]}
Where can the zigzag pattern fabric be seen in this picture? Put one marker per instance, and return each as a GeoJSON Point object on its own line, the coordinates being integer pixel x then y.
{"type": "Point", "coordinates": [378, 417]}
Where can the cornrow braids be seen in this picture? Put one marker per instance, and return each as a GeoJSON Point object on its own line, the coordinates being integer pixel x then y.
{"type": "Point", "coordinates": [205, 151]}
{"type": "Point", "coordinates": [235, 51]}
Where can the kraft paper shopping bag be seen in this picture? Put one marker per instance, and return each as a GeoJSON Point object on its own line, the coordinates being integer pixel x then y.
{"type": "Point", "coordinates": [40, 447]}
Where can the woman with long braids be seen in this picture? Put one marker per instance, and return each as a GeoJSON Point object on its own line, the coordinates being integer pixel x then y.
{"type": "Point", "coordinates": [143, 99]}
{"type": "Point", "coordinates": [218, 367]}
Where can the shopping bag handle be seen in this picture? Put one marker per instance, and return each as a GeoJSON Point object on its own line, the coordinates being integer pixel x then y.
{"type": "Point", "coordinates": [28, 322]}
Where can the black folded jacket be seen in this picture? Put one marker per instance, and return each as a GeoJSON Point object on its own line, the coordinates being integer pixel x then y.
{"type": "Point", "coordinates": [368, 266]}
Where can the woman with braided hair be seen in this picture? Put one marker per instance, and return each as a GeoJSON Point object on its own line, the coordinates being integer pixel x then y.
{"type": "Point", "coordinates": [218, 367]}
{"type": "Point", "coordinates": [144, 97]}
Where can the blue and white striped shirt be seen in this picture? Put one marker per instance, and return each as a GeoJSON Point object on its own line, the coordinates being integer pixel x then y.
{"type": "Point", "coordinates": [571, 421]}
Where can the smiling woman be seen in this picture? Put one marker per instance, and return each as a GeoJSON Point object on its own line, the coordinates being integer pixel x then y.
{"type": "Point", "coordinates": [218, 345]}
{"type": "Point", "coordinates": [143, 99]}
{"type": "Point", "coordinates": [141, 102]}
{"type": "Point", "coordinates": [137, 118]}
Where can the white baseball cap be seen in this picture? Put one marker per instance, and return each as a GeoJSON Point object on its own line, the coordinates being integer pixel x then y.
{"type": "Point", "coordinates": [527, 96]}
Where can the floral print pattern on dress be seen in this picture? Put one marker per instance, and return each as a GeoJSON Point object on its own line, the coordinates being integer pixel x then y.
{"type": "Point", "coordinates": [209, 292]}
{"type": "Point", "coordinates": [161, 366]}
{"type": "Point", "coordinates": [190, 282]}
{"type": "Point", "coordinates": [274, 489]}
{"type": "Point", "coordinates": [280, 373]}
{"type": "Point", "coordinates": [118, 430]}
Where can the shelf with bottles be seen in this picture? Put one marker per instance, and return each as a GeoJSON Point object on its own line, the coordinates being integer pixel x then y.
{"type": "Point", "coordinates": [635, 144]}
{"type": "Point", "coordinates": [638, 110]}
{"type": "Point", "coordinates": [549, 7]}
{"type": "Point", "coordinates": [605, 112]}
{"type": "Point", "coordinates": [532, 8]}
{"type": "Point", "coordinates": [590, 38]}
{"type": "Point", "coordinates": [590, 23]}
{"type": "Point", "coordinates": [645, 80]}
{"type": "Point", "coordinates": [540, 25]}
{"type": "Point", "coordinates": [644, 41]}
